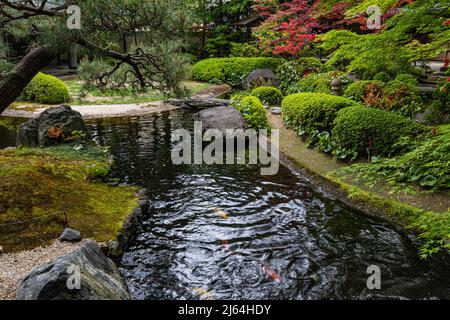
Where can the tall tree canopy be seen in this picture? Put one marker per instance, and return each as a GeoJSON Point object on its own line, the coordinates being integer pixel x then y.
{"type": "Point", "coordinates": [153, 61]}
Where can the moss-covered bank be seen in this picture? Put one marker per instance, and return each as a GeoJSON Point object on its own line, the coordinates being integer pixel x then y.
{"type": "Point", "coordinates": [40, 185]}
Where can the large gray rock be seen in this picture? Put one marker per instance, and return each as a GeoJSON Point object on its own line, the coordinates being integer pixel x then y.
{"type": "Point", "coordinates": [70, 235]}
{"type": "Point", "coordinates": [260, 77]}
{"type": "Point", "coordinates": [221, 118]}
{"type": "Point", "coordinates": [100, 278]}
{"type": "Point", "coordinates": [34, 133]}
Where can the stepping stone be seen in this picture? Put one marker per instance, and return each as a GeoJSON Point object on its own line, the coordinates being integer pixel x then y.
{"type": "Point", "coordinates": [276, 111]}
{"type": "Point", "coordinates": [70, 235]}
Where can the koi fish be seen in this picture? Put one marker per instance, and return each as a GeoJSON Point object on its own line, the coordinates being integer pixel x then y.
{"type": "Point", "coordinates": [225, 244]}
{"type": "Point", "coordinates": [203, 294]}
{"type": "Point", "coordinates": [271, 273]}
{"type": "Point", "coordinates": [221, 213]}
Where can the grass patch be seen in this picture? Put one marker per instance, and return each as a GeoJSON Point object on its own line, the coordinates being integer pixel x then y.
{"type": "Point", "coordinates": [36, 184]}
{"type": "Point", "coordinates": [122, 96]}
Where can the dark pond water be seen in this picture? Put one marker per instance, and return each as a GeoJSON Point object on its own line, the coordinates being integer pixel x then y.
{"type": "Point", "coordinates": [8, 127]}
{"type": "Point", "coordinates": [226, 232]}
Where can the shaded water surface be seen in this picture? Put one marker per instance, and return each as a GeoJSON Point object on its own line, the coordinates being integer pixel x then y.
{"type": "Point", "coordinates": [226, 232]}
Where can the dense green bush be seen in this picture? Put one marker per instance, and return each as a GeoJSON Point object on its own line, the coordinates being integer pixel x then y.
{"type": "Point", "coordinates": [45, 89]}
{"type": "Point", "coordinates": [293, 71]}
{"type": "Point", "coordinates": [252, 110]}
{"type": "Point", "coordinates": [382, 76]}
{"type": "Point", "coordinates": [357, 90]}
{"type": "Point", "coordinates": [271, 96]}
{"type": "Point", "coordinates": [360, 128]}
{"type": "Point", "coordinates": [407, 78]}
{"type": "Point", "coordinates": [310, 112]}
{"type": "Point", "coordinates": [230, 70]}
{"type": "Point", "coordinates": [244, 50]}
{"type": "Point", "coordinates": [400, 95]}
{"type": "Point", "coordinates": [318, 82]}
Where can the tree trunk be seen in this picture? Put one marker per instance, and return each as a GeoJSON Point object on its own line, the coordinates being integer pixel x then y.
{"type": "Point", "coordinates": [26, 69]}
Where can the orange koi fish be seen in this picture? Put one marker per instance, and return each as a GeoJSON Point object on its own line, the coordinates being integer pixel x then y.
{"type": "Point", "coordinates": [221, 213]}
{"type": "Point", "coordinates": [271, 273]}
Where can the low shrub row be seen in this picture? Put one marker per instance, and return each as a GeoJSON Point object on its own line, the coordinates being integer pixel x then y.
{"type": "Point", "coordinates": [230, 70]}
{"type": "Point", "coordinates": [344, 127]}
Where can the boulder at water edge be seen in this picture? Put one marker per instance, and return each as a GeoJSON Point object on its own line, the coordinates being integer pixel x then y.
{"type": "Point", "coordinates": [98, 275]}
{"type": "Point", "coordinates": [221, 118]}
{"type": "Point", "coordinates": [61, 120]}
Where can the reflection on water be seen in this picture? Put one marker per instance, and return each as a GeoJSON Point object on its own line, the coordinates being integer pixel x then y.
{"type": "Point", "coordinates": [8, 128]}
{"type": "Point", "coordinates": [226, 232]}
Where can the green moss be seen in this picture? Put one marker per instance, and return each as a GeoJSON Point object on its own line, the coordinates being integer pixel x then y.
{"type": "Point", "coordinates": [41, 184]}
{"type": "Point", "coordinates": [433, 227]}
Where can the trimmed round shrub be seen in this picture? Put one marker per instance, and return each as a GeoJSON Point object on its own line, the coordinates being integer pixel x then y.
{"type": "Point", "coordinates": [313, 111]}
{"type": "Point", "coordinates": [253, 112]}
{"type": "Point", "coordinates": [268, 95]}
{"type": "Point", "coordinates": [47, 89]}
{"type": "Point", "coordinates": [230, 70]}
{"type": "Point", "coordinates": [359, 128]}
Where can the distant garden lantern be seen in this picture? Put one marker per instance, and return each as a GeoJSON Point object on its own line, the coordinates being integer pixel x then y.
{"type": "Point", "coordinates": [336, 86]}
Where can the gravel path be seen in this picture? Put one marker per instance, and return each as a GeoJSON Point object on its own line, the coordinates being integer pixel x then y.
{"type": "Point", "coordinates": [100, 111]}
{"type": "Point", "coordinates": [15, 266]}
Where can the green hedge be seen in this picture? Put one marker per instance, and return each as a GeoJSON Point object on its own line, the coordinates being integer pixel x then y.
{"type": "Point", "coordinates": [313, 111]}
{"type": "Point", "coordinates": [46, 89]}
{"type": "Point", "coordinates": [230, 70]}
{"type": "Point", "coordinates": [268, 95]}
{"type": "Point", "coordinates": [253, 112]}
{"type": "Point", "coordinates": [356, 128]}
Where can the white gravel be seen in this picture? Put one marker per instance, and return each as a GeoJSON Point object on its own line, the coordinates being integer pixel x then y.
{"type": "Point", "coordinates": [15, 266]}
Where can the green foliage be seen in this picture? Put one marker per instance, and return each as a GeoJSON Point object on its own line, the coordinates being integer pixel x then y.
{"type": "Point", "coordinates": [45, 89]}
{"type": "Point", "coordinates": [382, 77]}
{"type": "Point", "coordinates": [407, 78]}
{"type": "Point", "coordinates": [230, 70]}
{"type": "Point", "coordinates": [402, 97]}
{"type": "Point", "coordinates": [309, 112]}
{"type": "Point", "coordinates": [367, 55]}
{"type": "Point", "coordinates": [244, 50]}
{"type": "Point", "coordinates": [358, 89]}
{"type": "Point", "coordinates": [427, 164]}
{"type": "Point", "coordinates": [293, 71]}
{"type": "Point", "coordinates": [253, 112]}
{"type": "Point", "coordinates": [268, 95]}
{"type": "Point", "coordinates": [364, 129]}
{"type": "Point", "coordinates": [318, 82]}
